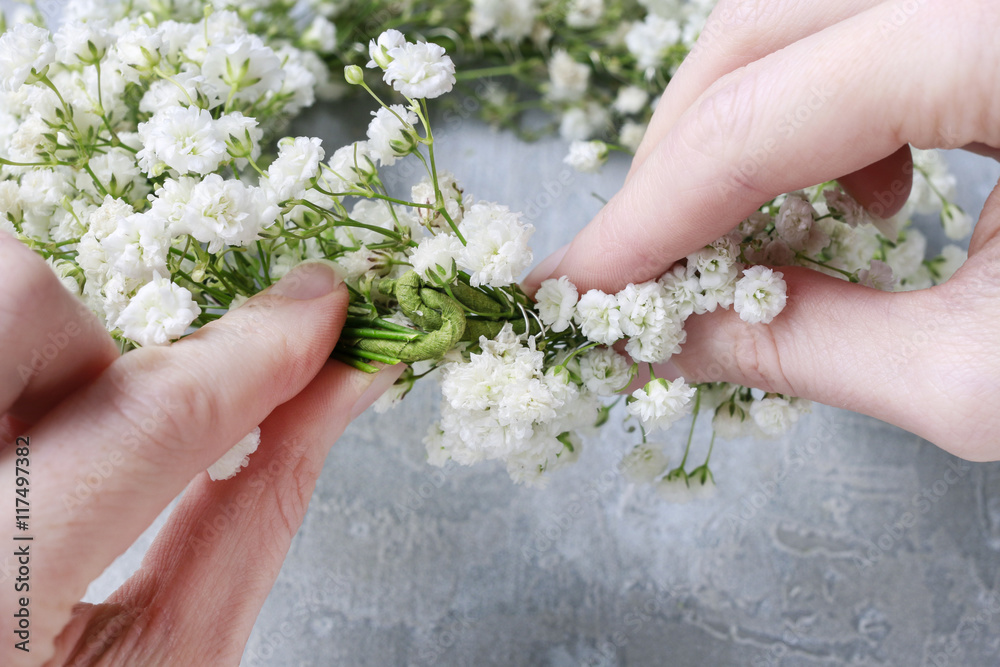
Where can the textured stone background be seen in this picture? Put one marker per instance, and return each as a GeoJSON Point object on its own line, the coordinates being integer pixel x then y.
{"type": "Point", "coordinates": [795, 562]}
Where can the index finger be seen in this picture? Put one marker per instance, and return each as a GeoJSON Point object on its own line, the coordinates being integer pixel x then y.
{"type": "Point", "coordinates": [806, 114]}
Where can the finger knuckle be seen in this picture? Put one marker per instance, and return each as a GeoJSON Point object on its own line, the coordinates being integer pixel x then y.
{"type": "Point", "coordinates": [758, 360]}
{"type": "Point", "coordinates": [164, 404]}
{"type": "Point", "coordinates": [722, 132]}
{"type": "Point", "coordinates": [28, 282]}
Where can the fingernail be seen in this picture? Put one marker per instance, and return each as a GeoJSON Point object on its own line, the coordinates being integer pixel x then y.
{"type": "Point", "coordinates": [544, 270]}
{"type": "Point", "coordinates": [309, 280]}
{"type": "Point", "coordinates": [383, 380]}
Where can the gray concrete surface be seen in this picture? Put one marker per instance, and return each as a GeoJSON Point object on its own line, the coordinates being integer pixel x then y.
{"type": "Point", "coordinates": [800, 560]}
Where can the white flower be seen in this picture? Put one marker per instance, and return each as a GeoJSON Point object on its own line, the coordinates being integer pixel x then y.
{"type": "Point", "coordinates": [245, 68]}
{"type": "Point", "coordinates": [631, 135]}
{"type": "Point", "coordinates": [604, 371]}
{"type": "Point", "coordinates": [296, 165]}
{"type": "Point", "coordinates": [580, 123]}
{"type": "Point", "coordinates": [843, 204]}
{"type": "Point", "coordinates": [732, 420]}
{"type": "Point", "coordinates": [657, 344]}
{"type": "Point", "coordinates": [681, 290]}
{"type": "Point", "coordinates": [956, 222]}
{"type": "Point", "coordinates": [321, 35]}
{"type": "Point", "coordinates": [906, 259]}
{"type": "Point", "coordinates": [510, 20]}
{"type": "Point", "coordinates": [599, 318]}
{"type": "Point", "coordinates": [138, 51]}
{"type": "Point", "coordinates": [78, 43]}
{"type": "Point", "coordinates": [660, 403]}
{"type": "Point", "coordinates": [952, 258]}
{"type": "Point", "coordinates": [496, 251]}
{"type": "Point", "coordinates": [630, 100]}
{"type": "Point", "coordinates": [23, 48]}
{"type": "Point", "coordinates": [642, 307]}
{"type": "Point", "coordinates": [223, 212]}
{"type": "Point", "coordinates": [584, 13]}
{"type": "Point", "coordinates": [434, 258]}
{"type": "Point", "coordinates": [931, 181]}
{"type": "Point", "coordinates": [159, 312]}
{"type": "Point", "coordinates": [236, 458]}
{"type": "Point", "coordinates": [794, 221]}
{"type": "Point", "coordinates": [420, 70]}
{"type": "Point", "coordinates": [356, 263]}
{"type": "Point", "coordinates": [774, 414]}
{"type": "Point", "coordinates": [352, 167]}
{"type": "Point", "coordinates": [716, 264]}
{"type": "Point", "coordinates": [391, 134]}
{"type": "Point", "coordinates": [378, 50]}
{"type": "Point", "coordinates": [760, 295]}
{"type": "Point", "coordinates": [138, 246]}
{"type": "Point", "coordinates": [451, 192]}
{"type": "Point", "coordinates": [649, 40]}
{"type": "Point", "coordinates": [568, 79]}
{"type": "Point", "coordinates": [877, 276]}
{"type": "Point", "coordinates": [182, 138]}
{"type": "Point", "coordinates": [587, 156]}
{"type": "Point", "coordinates": [556, 303]}
{"type": "Point", "coordinates": [644, 463]}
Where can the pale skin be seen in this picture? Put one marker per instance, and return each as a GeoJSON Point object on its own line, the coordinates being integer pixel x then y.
{"type": "Point", "coordinates": [114, 438]}
{"type": "Point", "coordinates": [780, 95]}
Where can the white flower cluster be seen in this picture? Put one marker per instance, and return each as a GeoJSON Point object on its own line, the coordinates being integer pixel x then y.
{"type": "Point", "coordinates": [504, 405]}
{"type": "Point", "coordinates": [137, 103]}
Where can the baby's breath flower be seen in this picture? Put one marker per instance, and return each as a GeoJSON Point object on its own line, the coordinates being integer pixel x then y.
{"type": "Point", "coordinates": [587, 156]}
{"type": "Point", "coordinates": [556, 303]}
{"type": "Point", "coordinates": [660, 403]}
{"type": "Point", "coordinates": [24, 49]}
{"type": "Point", "coordinates": [760, 295]}
{"type": "Point", "coordinates": [158, 313]}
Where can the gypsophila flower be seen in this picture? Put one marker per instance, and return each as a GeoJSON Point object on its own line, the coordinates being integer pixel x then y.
{"type": "Point", "coordinates": [649, 40]}
{"type": "Point", "coordinates": [642, 307]}
{"type": "Point", "coordinates": [556, 303]}
{"type": "Point", "coordinates": [296, 165]}
{"type": "Point", "coordinates": [584, 13]}
{"type": "Point", "coordinates": [496, 251]}
{"type": "Point", "coordinates": [587, 156]}
{"type": "Point", "coordinates": [631, 100]}
{"type": "Point", "coordinates": [434, 258]}
{"type": "Point", "coordinates": [391, 134]}
{"type": "Point", "coordinates": [568, 79]}
{"type": "Point", "coordinates": [660, 403]}
{"type": "Point", "coordinates": [223, 212]}
{"type": "Point", "coordinates": [877, 276]}
{"type": "Point", "coordinates": [184, 139]}
{"type": "Point", "coordinates": [158, 313]}
{"type": "Point", "coordinates": [237, 458]}
{"type": "Point", "coordinates": [244, 69]}
{"type": "Point", "coordinates": [794, 221]}
{"type": "Point", "coordinates": [773, 415]}
{"type": "Point", "coordinates": [505, 19]}
{"type": "Point", "coordinates": [604, 371]}
{"type": "Point", "coordinates": [420, 71]}
{"type": "Point", "coordinates": [760, 295]}
{"type": "Point", "coordinates": [599, 318]}
{"type": "Point", "coordinates": [644, 463]}
{"type": "Point", "coordinates": [956, 222]}
{"type": "Point", "coordinates": [23, 48]}
{"type": "Point", "coordinates": [379, 49]}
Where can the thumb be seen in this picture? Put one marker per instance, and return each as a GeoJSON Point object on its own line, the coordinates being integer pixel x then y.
{"type": "Point", "coordinates": [836, 343]}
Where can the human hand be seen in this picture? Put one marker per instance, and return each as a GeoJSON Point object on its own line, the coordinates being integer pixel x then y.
{"type": "Point", "coordinates": [114, 439]}
{"type": "Point", "coordinates": [777, 96]}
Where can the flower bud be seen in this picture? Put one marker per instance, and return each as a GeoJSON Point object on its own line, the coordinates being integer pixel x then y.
{"type": "Point", "coordinates": [354, 75]}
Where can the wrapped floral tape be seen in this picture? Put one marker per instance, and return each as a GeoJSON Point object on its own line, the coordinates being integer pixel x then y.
{"type": "Point", "coordinates": [141, 156]}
